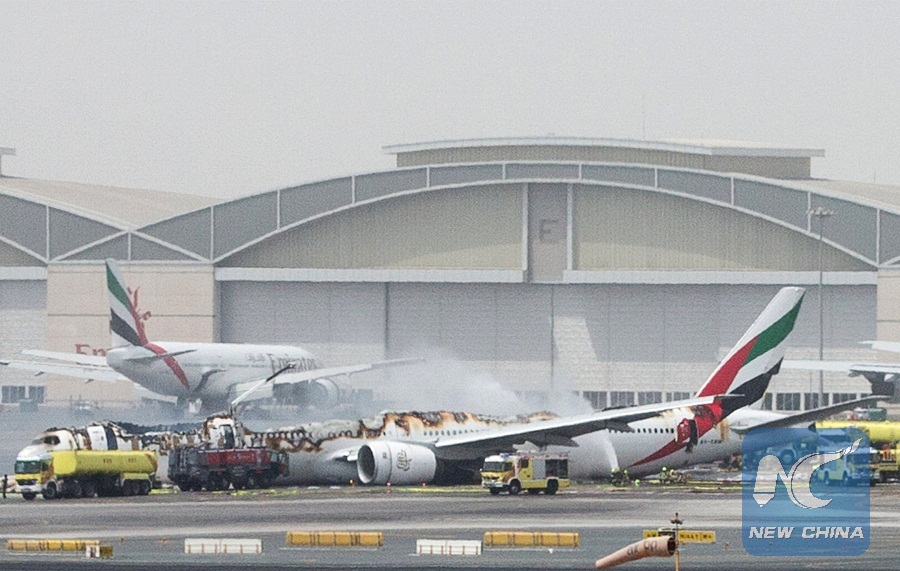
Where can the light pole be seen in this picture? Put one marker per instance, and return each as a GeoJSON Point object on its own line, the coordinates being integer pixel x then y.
{"type": "Point", "coordinates": [821, 213]}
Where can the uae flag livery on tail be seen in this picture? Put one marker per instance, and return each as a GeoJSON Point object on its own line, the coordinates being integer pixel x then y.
{"type": "Point", "coordinates": [124, 325]}
{"type": "Point", "coordinates": [757, 356]}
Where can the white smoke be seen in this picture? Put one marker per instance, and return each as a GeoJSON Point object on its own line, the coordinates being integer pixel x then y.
{"type": "Point", "coordinates": [444, 382]}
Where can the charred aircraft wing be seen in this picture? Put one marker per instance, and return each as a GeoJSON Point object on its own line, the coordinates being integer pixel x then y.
{"type": "Point", "coordinates": [801, 418]}
{"type": "Point", "coordinates": [561, 431]}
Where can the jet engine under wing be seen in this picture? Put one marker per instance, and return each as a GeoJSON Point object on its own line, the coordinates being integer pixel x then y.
{"type": "Point", "coordinates": [79, 371]}
{"type": "Point", "coordinates": [810, 415]}
{"type": "Point", "coordinates": [561, 431]}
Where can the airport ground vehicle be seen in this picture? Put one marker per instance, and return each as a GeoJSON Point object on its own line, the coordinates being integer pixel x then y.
{"type": "Point", "coordinates": [213, 469]}
{"type": "Point", "coordinates": [535, 472]}
{"type": "Point", "coordinates": [840, 472]}
{"type": "Point", "coordinates": [884, 464]}
{"type": "Point", "coordinates": [880, 432]}
{"type": "Point", "coordinates": [86, 473]}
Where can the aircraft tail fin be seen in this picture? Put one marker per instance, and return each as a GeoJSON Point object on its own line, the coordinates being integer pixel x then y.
{"type": "Point", "coordinates": [756, 357]}
{"type": "Point", "coordinates": [125, 327]}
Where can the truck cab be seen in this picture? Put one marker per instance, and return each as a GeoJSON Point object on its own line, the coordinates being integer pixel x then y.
{"type": "Point", "coordinates": [884, 464]}
{"type": "Point", "coordinates": [30, 474]}
{"type": "Point", "coordinates": [534, 472]}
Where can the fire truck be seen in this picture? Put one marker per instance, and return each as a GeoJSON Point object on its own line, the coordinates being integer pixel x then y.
{"type": "Point", "coordinates": [531, 471]}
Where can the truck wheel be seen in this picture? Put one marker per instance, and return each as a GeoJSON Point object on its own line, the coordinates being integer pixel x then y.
{"type": "Point", "coordinates": [845, 481]}
{"type": "Point", "coordinates": [515, 487]}
{"type": "Point", "coordinates": [251, 482]}
{"type": "Point", "coordinates": [29, 495]}
{"type": "Point", "coordinates": [213, 483]}
{"type": "Point", "coordinates": [495, 491]}
{"type": "Point", "coordinates": [144, 488]}
{"type": "Point", "coordinates": [87, 490]}
{"type": "Point", "coordinates": [552, 486]}
{"type": "Point", "coordinates": [69, 489]}
{"type": "Point", "coordinates": [128, 488]}
{"type": "Point", "coordinates": [50, 492]}
{"type": "Point", "coordinates": [827, 478]}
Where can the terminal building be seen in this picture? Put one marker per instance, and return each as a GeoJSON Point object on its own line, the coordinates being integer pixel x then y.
{"type": "Point", "coordinates": [620, 270]}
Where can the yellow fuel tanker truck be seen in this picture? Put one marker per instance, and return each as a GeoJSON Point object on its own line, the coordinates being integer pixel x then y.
{"type": "Point", "coordinates": [880, 432]}
{"type": "Point", "coordinates": [86, 473]}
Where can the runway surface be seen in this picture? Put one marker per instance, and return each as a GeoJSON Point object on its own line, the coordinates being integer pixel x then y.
{"type": "Point", "coordinates": [149, 532]}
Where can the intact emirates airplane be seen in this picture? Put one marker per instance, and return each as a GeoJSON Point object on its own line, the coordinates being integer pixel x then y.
{"type": "Point", "coordinates": [217, 374]}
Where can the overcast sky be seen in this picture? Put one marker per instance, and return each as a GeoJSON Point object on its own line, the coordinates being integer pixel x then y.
{"type": "Point", "coordinates": [232, 98]}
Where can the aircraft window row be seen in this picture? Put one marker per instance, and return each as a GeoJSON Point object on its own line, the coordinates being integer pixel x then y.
{"type": "Point", "coordinates": [656, 430]}
{"type": "Point", "coordinates": [672, 431]}
{"type": "Point", "coordinates": [450, 432]}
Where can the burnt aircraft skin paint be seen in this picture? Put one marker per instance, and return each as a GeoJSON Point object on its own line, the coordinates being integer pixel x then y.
{"type": "Point", "coordinates": [318, 451]}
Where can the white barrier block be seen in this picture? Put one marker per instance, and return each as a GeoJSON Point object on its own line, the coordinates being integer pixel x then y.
{"type": "Point", "coordinates": [198, 546]}
{"type": "Point", "coordinates": [241, 546]}
{"type": "Point", "coordinates": [448, 547]}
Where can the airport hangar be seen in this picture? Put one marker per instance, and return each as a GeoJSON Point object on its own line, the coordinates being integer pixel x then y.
{"type": "Point", "coordinates": [619, 269]}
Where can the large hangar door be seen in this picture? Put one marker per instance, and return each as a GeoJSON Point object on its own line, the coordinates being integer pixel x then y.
{"type": "Point", "coordinates": [342, 323]}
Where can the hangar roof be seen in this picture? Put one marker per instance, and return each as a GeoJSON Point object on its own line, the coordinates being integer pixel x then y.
{"type": "Point", "coordinates": [59, 221]}
{"type": "Point", "coordinates": [721, 147]}
{"type": "Point", "coordinates": [124, 207]}
{"type": "Point", "coordinates": [867, 192]}
{"type": "Point", "coordinates": [757, 159]}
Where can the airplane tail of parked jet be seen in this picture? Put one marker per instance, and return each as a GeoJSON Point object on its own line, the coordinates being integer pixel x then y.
{"type": "Point", "coordinates": [124, 326]}
{"type": "Point", "coordinates": [756, 357]}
